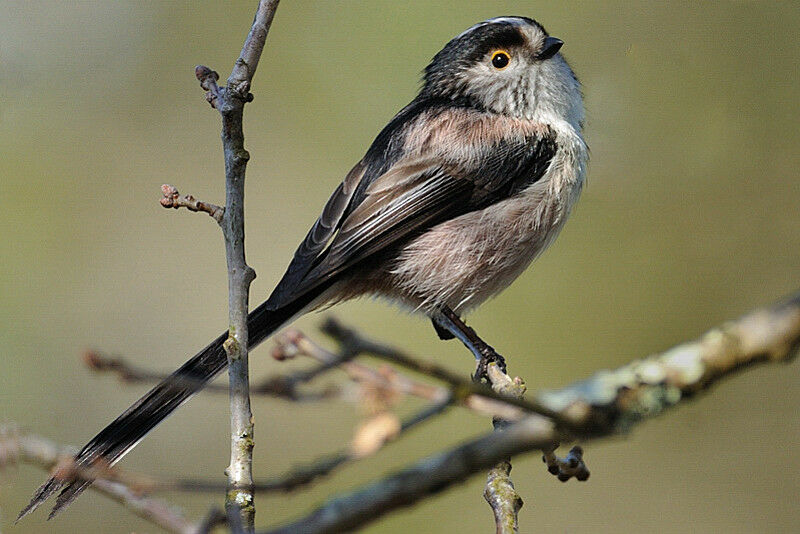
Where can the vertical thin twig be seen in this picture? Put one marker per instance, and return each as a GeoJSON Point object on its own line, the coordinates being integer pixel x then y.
{"type": "Point", "coordinates": [230, 101]}
{"type": "Point", "coordinates": [500, 492]}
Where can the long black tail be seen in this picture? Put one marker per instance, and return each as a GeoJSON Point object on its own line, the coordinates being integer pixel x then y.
{"type": "Point", "coordinates": [125, 432]}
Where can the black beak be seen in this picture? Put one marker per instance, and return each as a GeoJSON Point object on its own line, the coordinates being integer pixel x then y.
{"type": "Point", "coordinates": [550, 47]}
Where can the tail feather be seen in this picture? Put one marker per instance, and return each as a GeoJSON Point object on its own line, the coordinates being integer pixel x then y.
{"type": "Point", "coordinates": [122, 435]}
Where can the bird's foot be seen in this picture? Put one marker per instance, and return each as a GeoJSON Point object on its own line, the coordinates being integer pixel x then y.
{"type": "Point", "coordinates": [488, 355]}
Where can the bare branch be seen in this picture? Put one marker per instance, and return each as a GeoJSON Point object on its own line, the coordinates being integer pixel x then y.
{"type": "Point", "coordinates": [293, 343]}
{"type": "Point", "coordinates": [279, 386]}
{"type": "Point", "coordinates": [566, 468]}
{"type": "Point", "coordinates": [20, 447]}
{"type": "Point", "coordinates": [429, 476]}
{"type": "Point", "coordinates": [230, 102]}
{"type": "Point", "coordinates": [245, 67]}
{"type": "Point", "coordinates": [500, 492]}
{"type": "Point", "coordinates": [173, 199]}
{"type": "Point", "coordinates": [353, 343]}
{"type": "Point", "coordinates": [305, 475]}
{"type": "Point", "coordinates": [503, 498]}
{"type": "Point", "coordinates": [612, 401]}
{"type": "Point", "coordinates": [603, 405]}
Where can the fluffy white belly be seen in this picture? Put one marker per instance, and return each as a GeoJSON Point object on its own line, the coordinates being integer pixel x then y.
{"type": "Point", "coordinates": [464, 261]}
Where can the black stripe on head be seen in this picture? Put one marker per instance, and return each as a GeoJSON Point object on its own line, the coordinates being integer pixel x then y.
{"type": "Point", "coordinates": [476, 44]}
{"type": "Point", "coordinates": [471, 47]}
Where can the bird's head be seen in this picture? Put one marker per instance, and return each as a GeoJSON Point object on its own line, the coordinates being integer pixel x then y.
{"type": "Point", "coordinates": [507, 65]}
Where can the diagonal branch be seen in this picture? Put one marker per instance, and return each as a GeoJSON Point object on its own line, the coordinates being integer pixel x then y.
{"type": "Point", "coordinates": [354, 343]}
{"type": "Point", "coordinates": [278, 386]}
{"type": "Point", "coordinates": [431, 475]}
{"type": "Point", "coordinates": [20, 447]}
{"type": "Point", "coordinates": [305, 475]}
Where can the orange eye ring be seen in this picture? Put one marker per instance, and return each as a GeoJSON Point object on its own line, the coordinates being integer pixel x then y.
{"type": "Point", "coordinates": [500, 59]}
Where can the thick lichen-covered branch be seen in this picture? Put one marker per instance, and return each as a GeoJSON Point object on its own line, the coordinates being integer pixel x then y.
{"type": "Point", "coordinates": [613, 401]}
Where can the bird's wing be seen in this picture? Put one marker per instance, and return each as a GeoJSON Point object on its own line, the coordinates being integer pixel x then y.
{"type": "Point", "coordinates": [320, 234]}
{"type": "Point", "coordinates": [410, 196]}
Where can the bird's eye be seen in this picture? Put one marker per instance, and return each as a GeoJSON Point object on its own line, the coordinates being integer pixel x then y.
{"type": "Point", "coordinates": [500, 59]}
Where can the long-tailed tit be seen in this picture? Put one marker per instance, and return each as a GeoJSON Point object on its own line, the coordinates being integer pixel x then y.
{"type": "Point", "coordinates": [456, 196]}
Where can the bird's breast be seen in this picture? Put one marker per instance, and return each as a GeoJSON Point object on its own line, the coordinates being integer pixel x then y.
{"type": "Point", "coordinates": [468, 259]}
{"type": "Point", "coordinates": [465, 260]}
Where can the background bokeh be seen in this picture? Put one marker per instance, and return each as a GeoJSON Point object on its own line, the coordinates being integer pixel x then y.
{"type": "Point", "coordinates": [690, 218]}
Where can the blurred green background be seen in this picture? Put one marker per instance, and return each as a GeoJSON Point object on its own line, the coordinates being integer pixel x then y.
{"type": "Point", "coordinates": [690, 218]}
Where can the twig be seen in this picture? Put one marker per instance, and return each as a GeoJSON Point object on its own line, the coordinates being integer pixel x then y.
{"type": "Point", "coordinates": [608, 403]}
{"type": "Point", "coordinates": [503, 498]}
{"type": "Point", "coordinates": [279, 386]}
{"type": "Point", "coordinates": [431, 475]}
{"type": "Point", "coordinates": [173, 199]}
{"type": "Point", "coordinates": [230, 101]}
{"type": "Point", "coordinates": [566, 468]}
{"type": "Point", "coordinates": [245, 67]}
{"type": "Point", "coordinates": [353, 343]}
{"type": "Point", "coordinates": [500, 492]}
{"type": "Point", "coordinates": [304, 475]}
{"type": "Point", "coordinates": [293, 343]}
{"type": "Point", "coordinates": [605, 404]}
{"type": "Point", "coordinates": [16, 447]}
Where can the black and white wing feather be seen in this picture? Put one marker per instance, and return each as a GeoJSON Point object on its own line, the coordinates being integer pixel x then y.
{"type": "Point", "coordinates": [397, 197]}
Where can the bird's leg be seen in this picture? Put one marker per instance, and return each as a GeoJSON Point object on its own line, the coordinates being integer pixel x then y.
{"type": "Point", "coordinates": [447, 320]}
{"type": "Point", "coordinates": [443, 333]}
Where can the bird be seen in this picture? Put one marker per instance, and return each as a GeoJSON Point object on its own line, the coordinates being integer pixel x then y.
{"type": "Point", "coordinates": [452, 201]}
